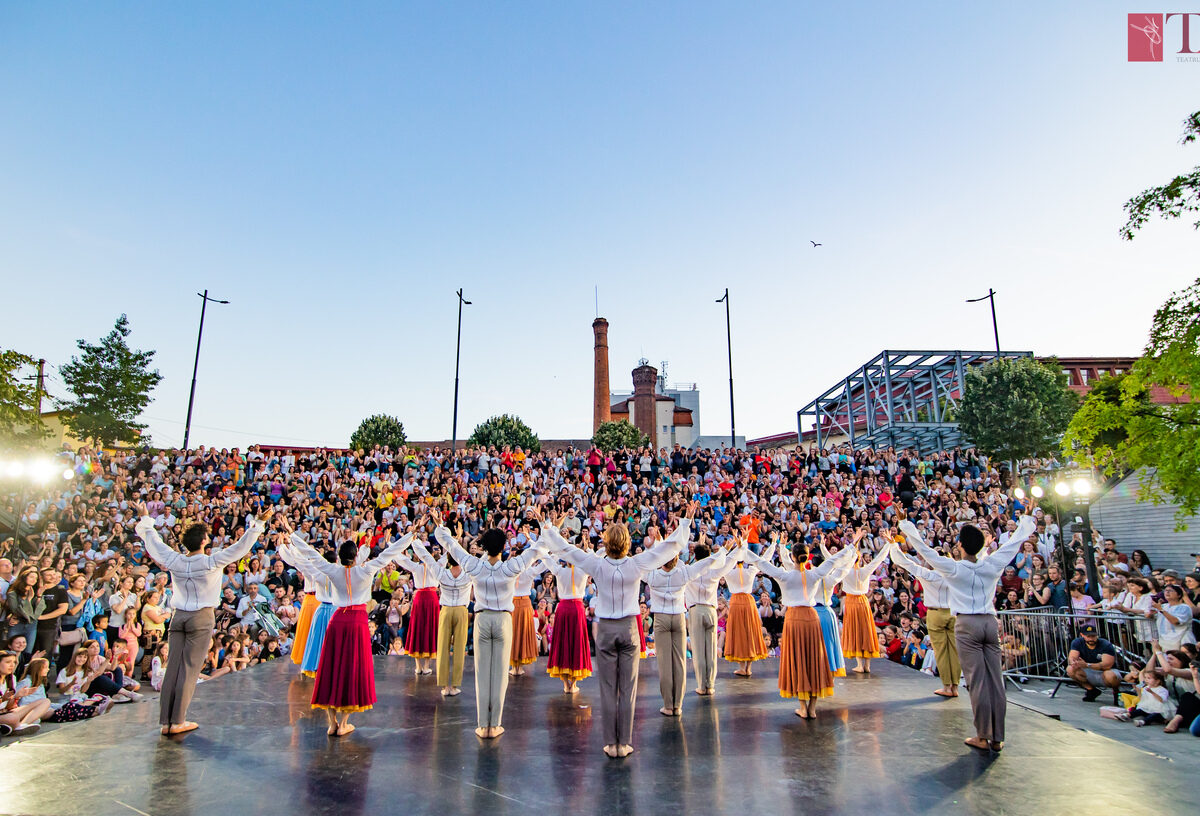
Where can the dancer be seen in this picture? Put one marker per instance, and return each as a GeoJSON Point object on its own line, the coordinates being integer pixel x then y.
{"type": "Point", "coordinates": [421, 640]}
{"type": "Point", "coordinates": [455, 586]}
{"type": "Point", "coordinates": [803, 667]}
{"type": "Point", "coordinates": [345, 681]}
{"type": "Point", "coordinates": [308, 608]}
{"type": "Point", "coordinates": [971, 584]}
{"type": "Point", "coordinates": [744, 642]}
{"type": "Point", "coordinates": [570, 653]}
{"type": "Point", "coordinates": [618, 578]}
{"type": "Point", "coordinates": [524, 640]}
{"type": "Point", "coordinates": [667, 586]}
{"type": "Point", "coordinates": [494, 581]}
{"type": "Point", "coordinates": [859, 637]}
{"type": "Point", "coordinates": [196, 579]}
{"type": "Point", "coordinates": [829, 623]}
{"type": "Point", "coordinates": [938, 618]}
{"type": "Point", "coordinates": [700, 599]}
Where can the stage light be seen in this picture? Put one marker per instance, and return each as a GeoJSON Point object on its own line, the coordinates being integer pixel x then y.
{"type": "Point", "coordinates": [1083, 487]}
{"type": "Point", "coordinates": [15, 469]}
{"type": "Point", "coordinates": [1062, 489]}
{"type": "Point", "coordinates": [1019, 493]}
{"type": "Point", "coordinates": [68, 474]}
{"type": "Point", "coordinates": [1037, 491]}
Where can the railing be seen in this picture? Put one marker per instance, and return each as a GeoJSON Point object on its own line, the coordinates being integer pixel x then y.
{"type": "Point", "coordinates": [1035, 643]}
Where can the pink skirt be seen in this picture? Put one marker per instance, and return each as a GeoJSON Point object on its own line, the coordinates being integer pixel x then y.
{"type": "Point", "coordinates": [423, 624]}
{"type": "Point", "coordinates": [346, 674]}
{"type": "Point", "coordinates": [570, 652]}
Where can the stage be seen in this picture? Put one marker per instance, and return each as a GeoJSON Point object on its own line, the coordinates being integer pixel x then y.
{"type": "Point", "coordinates": [884, 745]}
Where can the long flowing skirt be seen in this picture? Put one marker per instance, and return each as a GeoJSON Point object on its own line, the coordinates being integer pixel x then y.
{"type": "Point", "coordinates": [570, 653]}
{"type": "Point", "coordinates": [346, 674]}
{"type": "Point", "coordinates": [859, 638]}
{"type": "Point", "coordinates": [307, 607]}
{"type": "Point", "coordinates": [316, 637]}
{"type": "Point", "coordinates": [743, 630]}
{"type": "Point", "coordinates": [803, 667]}
{"type": "Point", "coordinates": [423, 624]}
{"type": "Point", "coordinates": [832, 640]}
{"type": "Point", "coordinates": [524, 643]}
{"type": "Point", "coordinates": [643, 651]}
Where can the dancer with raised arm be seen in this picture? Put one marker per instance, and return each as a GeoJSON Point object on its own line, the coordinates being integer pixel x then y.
{"type": "Point", "coordinates": [667, 586]}
{"type": "Point", "coordinates": [803, 666]}
{"type": "Point", "coordinates": [860, 639]}
{"type": "Point", "coordinates": [744, 642]}
{"type": "Point", "coordinates": [570, 651]}
{"type": "Point", "coordinates": [455, 586]}
{"type": "Point", "coordinates": [829, 623]}
{"type": "Point", "coordinates": [971, 584]}
{"type": "Point", "coordinates": [524, 640]}
{"type": "Point", "coordinates": [494, 580]}
{"type": "Point", "coordinates": [421, 640]}
{"type": "Point", "coordinates": [618, 578]}
{"type": "Point", "coordinates": [308, 608]}
{"type": "Point", "coordinates": [345, 682]}
{"type": "Point", "coordinates": [700, 599]}
{"type": "Point", "coordinates": [938, 618]}
{"type": "Point", "coordinates": [196, 584]}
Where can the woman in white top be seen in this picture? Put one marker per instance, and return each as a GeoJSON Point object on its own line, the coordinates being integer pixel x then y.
{"type": "Point", "coordinates": [455, 586]}
{"type": "Point", "coordinates": [744, 642]}
{"type": "Point", "coordinates": [1174, 619]}
{"type": "Point", "coordinates": [421, 640]}
{"type": "Point", "coordinates": [618, 578]}
{"type": "Point", "coordinates": [570, 650]}
{"type": "Point", "coordinates": [860, 638]}
{"type": "Point", "coordinates": [803, 665]}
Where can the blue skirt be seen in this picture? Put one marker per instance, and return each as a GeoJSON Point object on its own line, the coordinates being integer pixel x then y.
{"type": "Point", "coordinates": [833, 640]}
{"type": "Point", "coordinates": [316, 637]}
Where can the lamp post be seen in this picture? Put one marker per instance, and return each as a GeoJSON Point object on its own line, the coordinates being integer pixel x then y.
{"type": "Point", "coordinates": [1077, 486]}
{"type": "Point", "coordinates": [729, 349]}
{"type": "Point", "coordinates": [38, 471]}
{"type": "Point", "coordinates": [187, 427]}
{"type": "Point", "coordinates": [991, 296]}
{"type": "Point", "coordinates": [457, 349]}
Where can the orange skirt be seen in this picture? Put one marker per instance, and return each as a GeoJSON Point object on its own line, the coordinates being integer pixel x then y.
{"type": "Point", "coordinates": [803, 667]}
{"type": "Point", "coordinates": [524, 642]}
{"type": "Point", "coordinates": [743, 630]}
{"type": "Point", "coordinates": [307, 607]}
{"type": "Point", "coordinates": [859, 638]}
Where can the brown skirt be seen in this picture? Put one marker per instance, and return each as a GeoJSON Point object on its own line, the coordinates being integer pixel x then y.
{"type": "Point", "coordinates": [803, 667]}
{"type": "Point", "coordinates": [743, 630]}
{"type": "Point", "coordinates": [524, 642]}
{"type": "Point", "coordinates": [859, 638]}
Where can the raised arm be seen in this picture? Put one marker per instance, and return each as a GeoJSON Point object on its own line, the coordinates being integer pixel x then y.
{"type": "Point", "coordinates": [1002, 556]}
{"type": "Point", "coordinates": [156, 548]}
{"type": "Point", "coordinates": [316, 561]}
{"type": "Point", "coordinates": [450, 544]}
{"type": "Point", "coordinates": [669, 547]}
{"type": "Point", "coordinates": [423, 555]}
{"type": "Point", "coordinates": [391, 553]}
{"type": "Point", "coordinates": [909, 565]}
{"type": "Point", "coordinates": [764, 565]}
{"type": "Point", "coordinates": [243, 544]}
{"type": "Point", "coordinates": [572, 554]}
{"type": "Point", "coordinates": [940, 563]}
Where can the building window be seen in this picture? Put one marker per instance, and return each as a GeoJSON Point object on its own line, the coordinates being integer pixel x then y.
{"type": "Point", "coordinates": [1083, 376]}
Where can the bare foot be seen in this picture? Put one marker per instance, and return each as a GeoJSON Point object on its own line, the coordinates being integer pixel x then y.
{"type": "Point", "coordinates": [496, 731]}
{"type": "Point", "coordinates": [742, 673]}
{"type": "Point", "coordinates": [184, 727]}
{"type": "Point", "coordinates": [166, 729]}
{"type": "Point", "coordinates": [944, 693]}
{"type": "Point", "coordinates": [345, 729]}
{"type": "Point", "coordinates": [482, 733]}
{"type": "Point", "coordinates": [610, 751]}
{"type": "Point", "coordinates": [454, 692]}
{"type": "Point", "coordinates": [679, 712]}
{"type": "Point", "coordinates": [332, 730]}
{"type": "Point", "coordinates": [445, 692]}
{"type": "Point", "coordinates": [703, 692]}
{"type": "Point", "coordinates": [624, 750]}
{"type": "Point", "coordinates": [997, 746]}
{"type": "Point", "coordinates": [978, 743]}
{"type": "Point", "coordinates": [859, 670]}
{"type": "Point", "coordinates": [801, 713]}
{"type": "Point", "coordinates": [667, 712]}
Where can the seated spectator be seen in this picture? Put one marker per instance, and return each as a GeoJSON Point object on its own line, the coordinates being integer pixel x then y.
{"type": "Point", "coordinates": [1090, 663]}
{"type": "Point", "coordinates": [21, 709]}
{"type": "Point", "coordinates": [1154, 705]}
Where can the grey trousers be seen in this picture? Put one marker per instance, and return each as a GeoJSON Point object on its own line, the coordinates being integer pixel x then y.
{"type": "Point", "coordinates": [978, 640]}
{"type": "Point", "coordinates": [618, 649]}
{"type": "Point", "coordinates": [670, 649]}
{"type": "Point", "coordinates": [702, 620]}
{"type": "Point", "coordinates": [189, 640]}
{"type": "Point", "coordinates": [493, 641]}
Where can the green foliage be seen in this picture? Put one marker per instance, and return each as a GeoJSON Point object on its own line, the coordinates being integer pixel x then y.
{"type": "Point", "coordinates": [21, 425]}
{"type": "Point", "coordinates": [1119, 429]}
{"type": "Point", "coordinates": [111, 385]}
{"type": "Point", "coordinates": [618, 434]}
{"type": "Point", "coordinates": [505, 430]}
{"type": "Point", "coordinates": [380, 429]}
{"type": "Point", "coordinates": [1171, 200]}
{"type": "Point", "coordinates": [1015, 409]}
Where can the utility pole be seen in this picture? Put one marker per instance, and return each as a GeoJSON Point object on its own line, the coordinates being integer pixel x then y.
{"type": "Point", "coordinates": [991, 296]}
{"type": "Point", "coordinates": [41, 386]}
{"type": "Point", "coordinates": [729, 348]}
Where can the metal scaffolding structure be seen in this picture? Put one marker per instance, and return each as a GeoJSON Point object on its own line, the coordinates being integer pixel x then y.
{"type": "Point", "coordinates": [903, 399]}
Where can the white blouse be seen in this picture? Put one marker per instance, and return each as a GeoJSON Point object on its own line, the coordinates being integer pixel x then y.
{"type": "Point", "coordinates": [801, 587]}
{"type": "Point", "coordinates": [494, 583]}
{"type": "Point", "coordinates": [349, 586]}
{"type": "Point", "coordinates": [667, 587]}
{"type": "Point", "coordinates": [456, 589]}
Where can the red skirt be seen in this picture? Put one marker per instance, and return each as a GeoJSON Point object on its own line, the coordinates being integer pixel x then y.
{"type": "Point", "coordinates": [346, 674]}
{"type": "Point", "coordinates": [423, 624]}
{"type": "Point", "coordinates": [642, 634]}
{"type": "Point", "coordinates": [570, 651]}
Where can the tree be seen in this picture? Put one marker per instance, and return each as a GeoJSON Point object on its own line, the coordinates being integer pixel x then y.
{"type": "Point", "coordinates": [111, 385]}
{"type": "Point", "coordinates": [505, 430]}
{"type": "Point", "coordinates": [1014, 409]}
{"type": "Point", "coordinates": [380, 429]}
{"type": "Point", "coordinates": [1118, 428]}
{"type": "Point", "coordinates": [1171, 200]}
{"type": "Point", "coordinates": [21, 426]}
{"type": "Point", "coordinates": [618, 434]}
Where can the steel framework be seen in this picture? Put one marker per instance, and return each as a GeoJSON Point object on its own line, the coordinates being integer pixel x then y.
{"type": "Point", "coordinates": [904, 399]}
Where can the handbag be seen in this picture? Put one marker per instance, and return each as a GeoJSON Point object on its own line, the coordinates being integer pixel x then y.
{"type": "Point", "coordinates": [71, 637]}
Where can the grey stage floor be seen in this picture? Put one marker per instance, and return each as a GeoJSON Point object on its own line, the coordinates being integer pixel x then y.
{"type": "Point", "coordinates": [882, 745]}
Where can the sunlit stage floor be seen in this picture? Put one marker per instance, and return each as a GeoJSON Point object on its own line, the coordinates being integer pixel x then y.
{"type": "Point", "coordinates": [883, 745]}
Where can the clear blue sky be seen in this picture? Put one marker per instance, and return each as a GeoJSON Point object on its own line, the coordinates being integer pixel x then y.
{"type": "Point", "coordinates": [338, 170]}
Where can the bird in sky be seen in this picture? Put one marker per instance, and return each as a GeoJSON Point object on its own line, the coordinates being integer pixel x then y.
{"type": "Point", "coordinates": [815, 244]}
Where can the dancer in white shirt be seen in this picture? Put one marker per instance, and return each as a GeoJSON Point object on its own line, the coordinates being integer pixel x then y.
{"type": "Point", "coordinates": [938, 618]}
{"type": "Point", "coordinates": [494, 581]}
{"type": "Point", "coordinates": [570, 657]}
{"type": "Point", "coordinates": [700, 598]}
{"type": "Point", "coordinates": [744, 642]}
{"type": "Point", "coordinates": [971, 584]}
{"type": "Point", "coordinates": [424, 618]}
{"type": "Point", "coordinates": [618, 578]}
{"type": "Point", "coordinates": [455, 587]}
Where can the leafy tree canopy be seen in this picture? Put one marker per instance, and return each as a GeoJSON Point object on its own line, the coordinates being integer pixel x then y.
{"type": "Point", "coordinates": [380, 429]}
{"type": "Point", "coordinates": [618, 434]}
{"type": "Point", "coordinates": [1015, 409]}
{"type": "Point", "coordinates": [1171, 200]}
{"type": "Point", "coordinates": [505, 430]}
{"type": "Point", "coordinates": [21, 425]}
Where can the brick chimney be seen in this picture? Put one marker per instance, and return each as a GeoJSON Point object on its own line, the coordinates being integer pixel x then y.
{"type": "Point", "coordinates": [645, 377]}
{"type": "Point", "coordinates": [601, 397]}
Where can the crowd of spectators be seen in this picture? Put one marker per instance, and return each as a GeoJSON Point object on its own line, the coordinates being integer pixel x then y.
{"type": "Point", "coordinates": [87, 609]}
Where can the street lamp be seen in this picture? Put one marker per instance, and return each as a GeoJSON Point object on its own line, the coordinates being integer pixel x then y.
{"type": "Point", "coordinates": [729, 348]}
{"type": "Point", "coordinates": [457, 349]}
{"type": "Point", "coordinates": [187, 427]}
{"type": "Point", "coordinates": [40, 472]}
{"type": "Point", "coordinates": [1076, 486]}
{"type": "Point", "coordinates": [991, 295]}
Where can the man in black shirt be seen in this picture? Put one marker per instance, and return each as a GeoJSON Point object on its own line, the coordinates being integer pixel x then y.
{"type": "Point", "coordinates": [57, 602]}
{"type": "Point", "coordinates": [1091, 661]}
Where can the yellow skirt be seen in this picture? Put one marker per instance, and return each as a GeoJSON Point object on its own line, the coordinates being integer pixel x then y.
{"type": "Point", "coordinates": [307, 607]}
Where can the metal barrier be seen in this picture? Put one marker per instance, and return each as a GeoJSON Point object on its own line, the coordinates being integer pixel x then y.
{"type": "Point", "coordinates": [1035, 643]}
